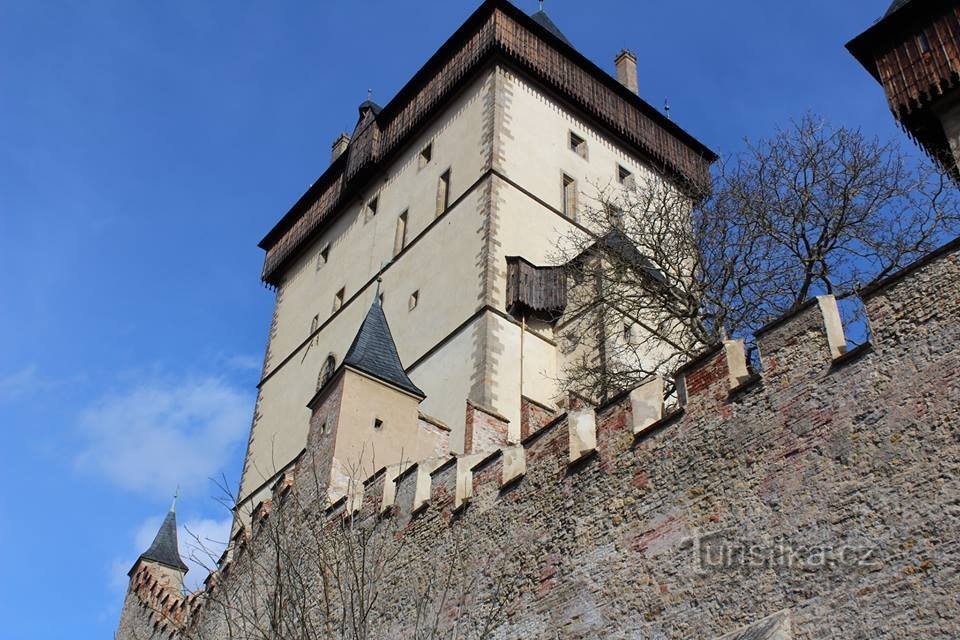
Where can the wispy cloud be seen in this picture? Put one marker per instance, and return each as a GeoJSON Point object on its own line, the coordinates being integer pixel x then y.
{"type": "Point", "coordinates": [162, 433]}
{"type": "Point", "coordinates": [21, 383]}
{"type": "Point", "coordinates": [244, 363]}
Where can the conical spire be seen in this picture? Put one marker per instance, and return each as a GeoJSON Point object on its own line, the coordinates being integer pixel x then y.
{"type": "Point", "coordinates": [164, 549]}
{"type": "Point", "coordinates": [375, 353]}
{"type": "Point", "coordinates": [541, 18]}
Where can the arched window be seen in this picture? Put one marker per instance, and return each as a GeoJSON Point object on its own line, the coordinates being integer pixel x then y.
{"type": "Point", "coordinates": [326, 372]}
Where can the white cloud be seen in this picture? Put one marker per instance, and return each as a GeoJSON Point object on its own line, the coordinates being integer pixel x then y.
{"type": "Point", "coordinates": [161, 434]}
{"type": "Point", "coordinates": [201, 542]}
{"type": "Point", "coordinates": [20, 383]}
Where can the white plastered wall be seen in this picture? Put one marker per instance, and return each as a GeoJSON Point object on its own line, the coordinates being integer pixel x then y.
{"type": "Point", "coordinates": [442, 265]}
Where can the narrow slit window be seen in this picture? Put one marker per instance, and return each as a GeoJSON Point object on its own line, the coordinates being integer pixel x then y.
{"type": "Point", "coordinates": [338, 300]}
{"type": "Point", "coordinates": [426, 155]}
{"type": "Point", "coordinates": [314, 324]}
{"type": "Point", "coordinates": [371, 209]}
{"type": "Point", "coordinates": [578, 145]}
{"type": "Point", "coordinates": [323, 257]}
{"type": "Point", "coordinates": [624, 177]}
{"type": "Point", "coordinates": [627, 331]}
{"type": "Point", "coordinates": [569, 205]}
{"type": "Point", "coordinates": [443, 192]}
{"type": "Point", "coordinates": [400, 240]}
{"type": "Point", "coordinates": [414, 299]}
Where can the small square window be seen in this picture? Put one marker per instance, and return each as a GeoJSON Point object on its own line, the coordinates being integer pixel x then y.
{"type": "Point", "coordinates": [377, 424]}
{"type": "Point", "coordinates": [338, 300]}
{"type": "Point", "coordinates": [371, 209]}
{"type": "Point", "coordinates": [323, 257]}
{"type": "Point", "coordinates": [578, 145]}
{"type": "Point", "coordinates": [414, 299]}
{"type": "Point", "coordinates": [624, 177]}
{"type": "Point", "coordinates": [426, 155]}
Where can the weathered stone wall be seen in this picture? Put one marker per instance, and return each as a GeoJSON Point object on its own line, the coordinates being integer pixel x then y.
{"type": "Point", "coordinates": [819, 499]}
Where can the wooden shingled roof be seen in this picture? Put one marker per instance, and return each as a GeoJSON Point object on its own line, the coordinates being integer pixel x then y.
{"type": "Point", "coordinates": [495, 30]}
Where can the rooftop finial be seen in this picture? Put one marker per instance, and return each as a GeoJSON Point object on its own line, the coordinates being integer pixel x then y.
{"type": "Point", "coordinates": [379, 282]}
{"type": "Point", "coordinates": [666, 108]}
{"type": "Point", "coordinates": [176, 494]}
{"type": "Point", "coordinates": [541, 5]}
{"type": "Point", "coordinates": [369, 94]}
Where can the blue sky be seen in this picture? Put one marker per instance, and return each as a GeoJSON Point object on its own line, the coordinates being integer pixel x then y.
{"type": "Point", "coordinates": [145, 147]}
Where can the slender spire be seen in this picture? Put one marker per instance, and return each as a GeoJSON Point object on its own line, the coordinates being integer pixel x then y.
{"type": "Point", "coordinates": [375, 353]}
{"type": "Point", "coordinates": [164, 549]}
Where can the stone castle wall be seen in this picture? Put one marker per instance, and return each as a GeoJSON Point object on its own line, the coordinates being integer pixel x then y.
{"type": "Point", "coordinates": [816, 499]}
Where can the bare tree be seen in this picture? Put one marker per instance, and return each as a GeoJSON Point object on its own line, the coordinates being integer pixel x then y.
{"type": "Point", "coordinates": [305, 574]}
{"type": "Point", "coordinates": [667, 267]}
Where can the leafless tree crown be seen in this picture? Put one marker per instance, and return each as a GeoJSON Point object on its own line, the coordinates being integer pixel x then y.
{"type": "Point", "coordinates": [661, 269]}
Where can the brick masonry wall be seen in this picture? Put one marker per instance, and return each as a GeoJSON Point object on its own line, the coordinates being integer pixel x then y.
{"type": "Point", "coordinates": [819, 500]}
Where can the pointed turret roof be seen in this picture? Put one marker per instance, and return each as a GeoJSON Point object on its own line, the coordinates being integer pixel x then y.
{"type": "Point", "coordinates": [375, 353]}
{"type": "Point", "coordinates": [164, 549]}
{"type": "Point", "coordinates": [542, 19]}
{"type": "Point", "coordinates": [896, 6]}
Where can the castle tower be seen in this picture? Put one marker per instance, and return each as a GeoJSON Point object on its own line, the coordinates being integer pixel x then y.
{"type": "Point", "coordinates": [163, 555]}
{"type": "Point", "coordinates": [487, 153]}
{"type": "Point", "coordinates": [914, 52]}
{"type": "Point", "coordinates": [151, 608]}
{"type": "Point", "coordinates": [365, 412]}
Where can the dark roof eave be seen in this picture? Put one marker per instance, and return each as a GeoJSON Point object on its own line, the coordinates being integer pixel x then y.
{"type": "Point", "coordinates": [861, 46]}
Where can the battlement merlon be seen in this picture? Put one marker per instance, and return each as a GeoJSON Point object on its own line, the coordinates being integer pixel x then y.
{"type": "Point", "coordinates": [913, 316]}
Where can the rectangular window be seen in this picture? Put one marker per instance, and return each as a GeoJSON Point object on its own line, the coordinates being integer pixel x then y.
{"type": "Point", "coordinates": [323, 257]}
{"type": "Point", "coordinates": [400, 240]}
{"type": "Point", "coordinates": [377, 424]}
{"type": "Point", "coordinates": [569, 206]}
{"type": "Point", "coordinates": [923, 42]}
{"type": "Point", "coordinates": [624, 177]}
{"type": "Point", "coordinates": [578, 145]}
{"type": "Point", "coordinates": [426, 155]}
{"type": "Point", "coordinates": [414, 299]}
{"type": "Point", "coordinates": [338, 300]}
{"type": "Point", "coordinates": [371, 208]}
{"type": "Point", "coordinates": [443, 192]}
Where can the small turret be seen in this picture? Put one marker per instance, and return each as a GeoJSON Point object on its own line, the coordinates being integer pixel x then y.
{"type": "Point", "coordinates": [164, 553]}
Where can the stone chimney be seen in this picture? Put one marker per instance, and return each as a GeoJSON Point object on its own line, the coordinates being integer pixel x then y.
{"type": "Point", "coordinates": [339, 146]}
{"type": "Point", "coordinates": [626, 62]}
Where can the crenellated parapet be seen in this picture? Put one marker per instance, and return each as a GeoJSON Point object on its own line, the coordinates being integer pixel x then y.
{"type": "Point", "coordinates": [606, 514]}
